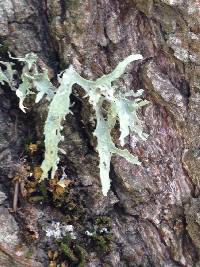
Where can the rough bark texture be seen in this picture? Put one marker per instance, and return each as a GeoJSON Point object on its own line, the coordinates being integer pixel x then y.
{"type": "Point", "coordinates": [154, 209]}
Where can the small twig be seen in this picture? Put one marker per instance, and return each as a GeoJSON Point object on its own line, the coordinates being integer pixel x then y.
{"type": "Point", "coordinates": [16, 194]}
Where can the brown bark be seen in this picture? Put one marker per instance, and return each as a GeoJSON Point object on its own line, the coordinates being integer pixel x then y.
{"type": "Point", "coordinates": [154, 208]}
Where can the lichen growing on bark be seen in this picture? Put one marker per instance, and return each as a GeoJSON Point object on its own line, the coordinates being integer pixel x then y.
{"type": "Point", "coordinates": [98, 92]}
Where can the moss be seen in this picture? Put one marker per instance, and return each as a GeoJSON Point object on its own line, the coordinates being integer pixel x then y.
{"type": "Point", "coordinates": [102, 236]}
{"type": "Point", "coordinates": [43, 189]}
{"type": "Point", "coordinates": [67, 239]}
{"type": "Point", "coordinates": [68, 252]}
{"type": "Point", "coordinates": [4, 48]}
{"type": "Point", "coordinates": [101, 242]}
{"type": "Point", "coordinates": [103, 221]}
{"type": "Point", "coordinates": [82, 255]}
{"type": "Point", "coordinates": [73, 252]}
{"type": "Point", "coordinates": [70, 204]}
{"type": "Point", "coordinates": [29, 253]}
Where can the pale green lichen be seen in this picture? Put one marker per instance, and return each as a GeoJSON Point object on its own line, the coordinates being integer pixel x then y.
{"type": "Point", "coordinates": [120, 108]}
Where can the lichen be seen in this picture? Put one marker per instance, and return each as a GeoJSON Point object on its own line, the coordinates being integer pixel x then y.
{"type": "Point", "coordinates": [99, 92]}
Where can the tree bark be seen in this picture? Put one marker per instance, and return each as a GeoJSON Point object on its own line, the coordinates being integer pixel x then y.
{"type": "Point", "coordinates": [153, 208]}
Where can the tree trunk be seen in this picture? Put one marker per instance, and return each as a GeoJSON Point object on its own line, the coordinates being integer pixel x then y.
{"type": "Point", "coordinates": [151, 216]}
